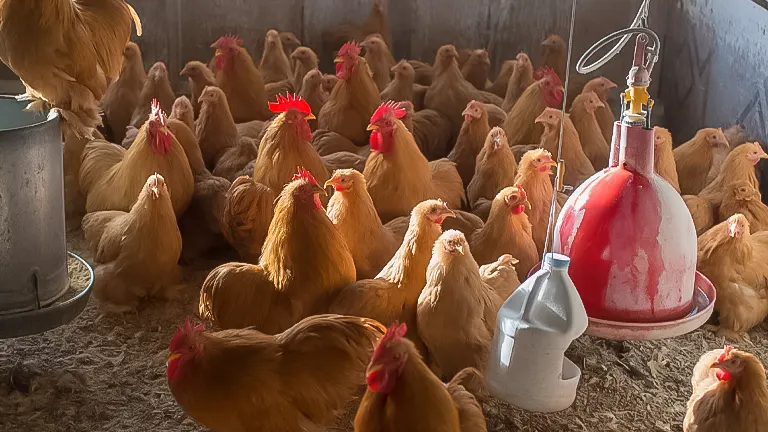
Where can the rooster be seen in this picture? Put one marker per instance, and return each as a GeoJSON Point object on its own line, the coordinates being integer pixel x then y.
{"type": "Point", "coordinates": [397, 169]}
{"type": "Point", "coordinates": [303, 264]}
{"type": "Point", "coordinates": [112, 177]}
{"type": "Point", "coordinates": [244, 380]}
{"type": "Point", "coordinates": [354, 98]}
{"type": "Point", "coordinates": [404, 395]}
{"type": "Point", "coordinates": [66, 53]}
{"type": "Point", "coordinates": [286, 144]}
{"type": "Point", "coordinates": [240, 80]}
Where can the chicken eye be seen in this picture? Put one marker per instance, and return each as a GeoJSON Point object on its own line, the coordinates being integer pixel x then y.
{"type": "Point", "coordinates": [343, 180]}
{"type": "Point", "coordinates": [539, 160]}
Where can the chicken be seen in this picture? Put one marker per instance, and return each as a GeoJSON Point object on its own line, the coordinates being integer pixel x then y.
{"type": "Point", "coordinates": [555, 53]}
{"type": "Point", "coordinates": [501, 83]}
{"type": "Point", "coordinates": [286, 145]}
{"type": "Point", "coordinates": [736, 399]}
{"type": "Point", "coordinates": [344, 160]}
{"type": "Point", "coordinates": [742, 197]}
{"type": "Point", "coordinates": [184, 112]}
{"type": "Point", "coordinates": [475, 70]}
{"type": "Point", "coordinates": [122, 96]}
{"type": "Point", "coordinates": [240, 80]}
{"type": "Point", "coordinates": [327, 143]}
{"type": "Point", "coordinates": [404, 395]}
{"type": "Point", "coordinates": [501, 275]}
{"type": "Point", "coordinates": [274, 66]}
{"type": "Point", "coordinates": [312, 92]}
{"type": "Point", "coordinates": [200, 224]}
{"type": "Point", "coordinates": [71, 50]}
{"type": "Point", "coordinates": [736, 136]}
{"type": "Point", "coordinates": [507, 231]}
{"type": "Point", "coordinates": [495, 169]}
{"type": "Point", "coordinates": [156, 87]}
{"type": "Point", "coordinates": [199, 77]}
{"type": "Point", "coordinates": [732, 258]}
{"type": "Point", "coordinates": [378, 57]}
{"type": "Point", "coordinates": [329, 82]}
{"type": "Point", "coordinates": [698, 158]}
{"type": "Point", "coordinates": [305, 60]}
{"type": "Point", "coordinates": [519, 81]}
{"type": "Point", "coordinates": [244, 380]}
{"type": "Point", "coordinates": [578, 166]}
{"type": "Point", "coordinates": [139, 250]}
{"type": "Point", "coordinates": [663, 157]}
{"type": "Point", "coordinates": [403, 88]}
{"type": "Point", "coordinates": [234, 159]}
{"type": "Point", "coordinates": [290, 43]}
{"type": "Point", "coordinates": [353, 100]}
{"type": "Point", "coordinates": [352, 212]}
{"type": "Point", "coordinates": [521, 126]}
{"type": "Point", "coordinates": [253, 129]}
{"type": "Point", "coordinates": [304, 263]}
{"type": "Point", "coordinates": [496, 115]}
{"type": "Point", "coordinates": [470, 141]}
{"type": "Point", "coordinates": [394, 293]}
{"type": "Point", "coordinates": [111, 177]}
{"type": "Point", "coordinates": [583, 116]}
{"type": "Point", "coordinates": [424, 74]}
{"type": "Point", "coordinates": [376, 22]}
{"type": "Point", "coordinates": [248, 211]}
{"type": "Point", "coordinates": [396, 168]}
{"type": "Point", "coordinates": [455, 293]}
{"type": "Point", "coordinates": [601, 86]}
{"type": "Point", "coordinates": [449, 92]}
{"type": "Point", "coordinates": [739, 165]}
{"type": "Point", "coordinates": [215, 126]}
{"type": "Point", "coordinates": [280, 87]}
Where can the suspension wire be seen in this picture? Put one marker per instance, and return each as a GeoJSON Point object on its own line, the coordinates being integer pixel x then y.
{"type": "Point", "coordinates": [560, 162]}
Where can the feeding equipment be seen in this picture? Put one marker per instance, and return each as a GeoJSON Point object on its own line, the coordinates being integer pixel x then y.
{"type": "Point", "coordinates": [630, 237]}
{"type": "Point", "coordinates": [34, 281]}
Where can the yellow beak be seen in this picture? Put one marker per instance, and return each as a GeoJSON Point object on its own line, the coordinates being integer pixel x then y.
{"type": "Point", "coordinates": [218, 52]}
{"type": "Point", "coordinates": [460, 249]}
{"type": "Point", "coordinates": [310, 116]}
{"type": "Point", "coordinates": [173, 356]}
{"type": "Point", "coordinates": [527, 204]}
{"type": "Point", "coordinates": [328, 183]}
{"type": "Point", "coordinates": [371, 127]}
{"type": "Point", "coordinates": [338, 60]}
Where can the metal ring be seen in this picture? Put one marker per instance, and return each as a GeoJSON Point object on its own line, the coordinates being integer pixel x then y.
{"type": "Point", "coordinates": [625, 34]}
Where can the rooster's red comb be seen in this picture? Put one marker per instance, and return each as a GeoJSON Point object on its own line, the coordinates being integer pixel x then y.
{"type": "Point", "coordinates": [303, 174]}
{"type": "Point", "coordinates": [228, 41]}
{"type": "Point", "coordinates": [388, 108]}
{"type": "Point", "coordinates": [725, 353]}
{"type": "Point", "coordinates": [394, 332]}
{"type": "Point", "coordinates": [189, 327]}
{"type": "Point", "coordinates": [547, 72]}
{"type": "Point", "coordinates": [349, 48]}
{"type": "Point", "coordinates": [284, 103]}
{"type": "Point", "coordinates": [157, 114]}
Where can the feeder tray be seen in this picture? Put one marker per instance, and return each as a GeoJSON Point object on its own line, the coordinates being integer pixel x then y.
{"type": "Point", "coordinates": [37, 321]}
{"type": "Point", "coordinates": [704, 295]}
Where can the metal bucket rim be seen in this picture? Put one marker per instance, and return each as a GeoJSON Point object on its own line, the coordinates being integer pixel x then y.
{"type": "Point", "coordinates": [51, 116]}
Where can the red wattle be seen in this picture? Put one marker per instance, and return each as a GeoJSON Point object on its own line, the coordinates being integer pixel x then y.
{"type": "Point", "coordinates": [518, 210]}
{"type": "Point", "coordinates": [220, 62]}
{"type": "Point", "coordinates": [375, 140]}
{"type": "Point", "coordinates": [722, 375]}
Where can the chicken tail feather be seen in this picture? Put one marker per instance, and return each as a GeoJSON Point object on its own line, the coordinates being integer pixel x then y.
{"type": "Point", "coordinates": [136, 20]}
{"type": "Point", "coordinates": [472, 380]}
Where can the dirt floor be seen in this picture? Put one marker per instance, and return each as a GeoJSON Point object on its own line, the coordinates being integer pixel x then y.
{"type": "Point", "coordinates": [107, 373]}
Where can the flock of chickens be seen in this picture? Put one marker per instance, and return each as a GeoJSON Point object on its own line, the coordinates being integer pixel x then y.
{"type": "Point", "coordinates": [441, 200]}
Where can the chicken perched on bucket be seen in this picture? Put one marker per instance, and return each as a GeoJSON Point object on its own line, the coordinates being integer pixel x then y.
{"type": "Point", "coordinates": [71, 50]}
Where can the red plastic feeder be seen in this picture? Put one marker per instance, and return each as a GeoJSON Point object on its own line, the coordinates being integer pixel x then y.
{"type": "Point", "coordinates": [632, 241]}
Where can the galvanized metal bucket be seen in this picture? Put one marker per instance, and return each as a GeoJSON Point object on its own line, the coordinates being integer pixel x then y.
{"type": "Point", "coordinates": [33, 253]}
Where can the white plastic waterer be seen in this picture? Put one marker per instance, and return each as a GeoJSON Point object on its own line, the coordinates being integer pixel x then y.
{"type": "Point", "coordinates": [527, 366]}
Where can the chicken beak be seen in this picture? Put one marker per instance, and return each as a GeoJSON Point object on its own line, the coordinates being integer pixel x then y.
{"type": "Point", "coordinates": [310, 116]}
{"type": "Point", "coordinates": [611, 85]}
{"type": "Point", "coordinates": [552, 163]}
{"type": "Point", "coordinates": [449, 213]}
{"type": "Point", "coordinates": [527, 204]}
{"type": "Point", "coordinates": [372, 127]}
{"type": "Point", "coordinates": [764, 155]}
{"type": "Point", "coordinates": [466, 112]}
{"type": "Point", "coordinates": [154, 192]}
{"type": "Point", "coordinates": [600, 104]}
{"type": "Point", "coordinates": [338, 60]}
{"type": "Point", "coordinates": [173, 356]}
{"type": "Point", "coordinates": [218, 52]}
{"type": "Point", "coordinates": [330, 182]}
{"type": "Point", "coordinates": [561, 88]}
{"type": "Point", "coordinates": [322, 190]}
{"type": "Point", "coordinates": [715, 365]}
{"type": "Point", "coordinates": [539, 119]}
{"type": "Point", "coordinates": [460, 249]}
